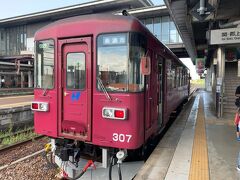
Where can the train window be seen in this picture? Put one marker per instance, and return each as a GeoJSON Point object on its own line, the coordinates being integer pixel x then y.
{"type": "Point", "coordinates": [183, 77]}
{"type": "Point", "coordinates": [180, 77]}
{"type": "Point", "coordinates": [177, 77]}
{"type": "Point", "coordinates": [169, 74]}
{"type": "Point", "coordinates": [173, 77]}
{"type": "Point", "coordinates": [112, 61]}
{"type": "Point", "coordinates": [76, 71]}
{"type": "Point", "coordinates": [118, 62]}
{"type": "Point", "coordinates": [184, 74]}
{"type": "Point", "coordinates": [137, 50]}
{"type": "Point", "coordinates": [44, 64]}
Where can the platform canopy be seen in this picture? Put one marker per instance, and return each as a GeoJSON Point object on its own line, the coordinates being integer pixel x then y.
{"type": "Point", "coordinates": [196, 18]}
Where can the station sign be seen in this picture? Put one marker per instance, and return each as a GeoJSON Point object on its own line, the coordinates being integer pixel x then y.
{"type": "Point", "coordinates": [225, 36]}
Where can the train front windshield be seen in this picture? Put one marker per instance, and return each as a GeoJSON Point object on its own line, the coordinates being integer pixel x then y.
{"type": "Point", "coordinates": [118, 62]}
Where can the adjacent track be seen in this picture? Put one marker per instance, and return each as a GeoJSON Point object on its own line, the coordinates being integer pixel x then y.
{"type": "Point", "coordinates": [5, 148]}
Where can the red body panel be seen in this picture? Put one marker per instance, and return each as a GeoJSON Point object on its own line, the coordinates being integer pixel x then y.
{"type": "Point", "coordinates": [46, 122]}
{"type": "Point", "coordinates": [130, 129]}
{"type": "Point", "coordinates": [86, 114]}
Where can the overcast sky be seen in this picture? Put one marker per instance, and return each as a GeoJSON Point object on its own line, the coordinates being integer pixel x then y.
{"type": "Point", "coordinates": [12, 8]}
{"type": "Point", "coordinates": [188, 62]}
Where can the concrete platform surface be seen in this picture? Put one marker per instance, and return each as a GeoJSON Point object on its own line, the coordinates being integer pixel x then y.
{"type": "Point", "coordinates": [172, 158]}
{"type": "Point", "coordinates": [15, 101]}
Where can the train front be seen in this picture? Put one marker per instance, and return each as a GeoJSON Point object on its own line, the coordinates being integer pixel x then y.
{"type": "Point", "coordinates": [89, 92]}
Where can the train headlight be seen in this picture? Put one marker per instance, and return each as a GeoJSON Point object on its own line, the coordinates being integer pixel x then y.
{"type": "Point", "coordinates": [114, 113]}
{"type": "Point", "coordinates": [40, 106]}
{"type": "Point", "coordinates": [43, 106]}
{"type": "Point", "coordinates": [108, 113]}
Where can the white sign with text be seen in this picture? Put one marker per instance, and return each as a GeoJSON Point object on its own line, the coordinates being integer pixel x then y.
{"type": "Point", "coordinates": [225, 36]}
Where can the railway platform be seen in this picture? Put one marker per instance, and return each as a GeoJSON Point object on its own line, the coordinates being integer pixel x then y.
{"type": "Point", "coordinates": [15, 111]}
{"type": "Point", "coordinates": [15, 101]}
{"type": "Point", "coordinates": [196, 146]}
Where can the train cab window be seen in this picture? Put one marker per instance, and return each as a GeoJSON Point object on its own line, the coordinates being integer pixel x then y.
{"type": "Point", "coordinates": [118, 62]}
{"type": "Point", "coordinates": [76, 71]}
{"type": "Point", "coordinates": [44, 64]}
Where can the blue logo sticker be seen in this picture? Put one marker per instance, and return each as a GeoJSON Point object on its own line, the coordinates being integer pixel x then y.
{"type": "Point", "coordinates": [75, 96]}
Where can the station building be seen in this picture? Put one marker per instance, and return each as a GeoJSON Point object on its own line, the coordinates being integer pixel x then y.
{"type": "Point", "coordinates": [17, 33]}
{"type": "Point", "coordinates": [210, 30]}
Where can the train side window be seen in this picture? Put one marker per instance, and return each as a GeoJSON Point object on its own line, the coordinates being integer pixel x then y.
{"type": "Point", "coordinates": [137, 51]}
{"type": "Point", "coordinates": [177, 77]}
{"type": "Point", "coordinates": [169, 74]}
{"type": "Point", "coordinates": [76, 71]}
{"type": "Point", "coordinates": [180, 77]}
{"type": "Point", "coordinates": [186, 77]}
{"type": "Point", "coordinates": [173, 77]}
{"type": "Point", "coordinates": [185, 74]}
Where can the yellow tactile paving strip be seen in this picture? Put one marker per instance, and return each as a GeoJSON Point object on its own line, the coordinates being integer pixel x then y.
{"type": "Point", "coordinates": [199, 169]}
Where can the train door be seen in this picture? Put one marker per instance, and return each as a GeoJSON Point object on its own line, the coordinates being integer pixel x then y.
{"type": "Point", "coordinates": [148, 100]}
{"type": "Point", "coordinates": [160, 91]}
{"type": "Point", "coordinates": [151, 97]}
{"type": "Point", "coordinates": [76, 88]}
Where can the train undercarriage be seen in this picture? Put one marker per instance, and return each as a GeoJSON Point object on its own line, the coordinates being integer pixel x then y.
{"type": "Point", "coordinates": [85, 161]}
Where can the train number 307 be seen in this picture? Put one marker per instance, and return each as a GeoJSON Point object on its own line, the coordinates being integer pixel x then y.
{"type": "Point", "coordinates": [121, 137]}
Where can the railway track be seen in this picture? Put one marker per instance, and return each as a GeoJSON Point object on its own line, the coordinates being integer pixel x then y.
{"type": "Point", "coordinates": [7, 147]}
{"type": "Point", "coordinates": [23, 134]}
{"type": "Point", "coordinates": [25, 160]}
{"type": "Point", "coordinates": [19, 150]}
{"type": "Point", "coordinates": [16, 133]}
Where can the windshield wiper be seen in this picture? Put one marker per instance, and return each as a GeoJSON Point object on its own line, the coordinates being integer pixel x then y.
{"type": "Point", "coordinates": [44, 91]}
{"type": "Point", "coordinates": [104, 89]}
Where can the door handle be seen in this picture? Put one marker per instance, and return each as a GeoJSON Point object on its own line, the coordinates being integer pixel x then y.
{"type": "Point", "coordinates": [65, 93]}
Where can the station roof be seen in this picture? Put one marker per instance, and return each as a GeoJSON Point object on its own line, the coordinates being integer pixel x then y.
{"type": "Point", "coordinates": [157, 11]}
{"type": "Point", "coordinates": [194, 28]}
{"type": "Point", "coordinates": [75, 10]}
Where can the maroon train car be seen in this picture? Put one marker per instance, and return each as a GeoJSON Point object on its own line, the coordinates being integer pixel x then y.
{"type": "Point", "coordinates": [90, 88]}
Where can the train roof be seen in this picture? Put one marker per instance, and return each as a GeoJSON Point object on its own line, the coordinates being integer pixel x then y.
{"type": "Point", "coordinates": [96, 22]}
